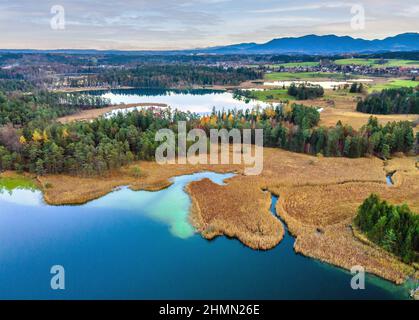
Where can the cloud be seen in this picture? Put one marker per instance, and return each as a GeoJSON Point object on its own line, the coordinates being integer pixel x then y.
{"type": "Point", "coordinates": [176, 24]}
{"type": "Point", "coordinates": [412, 11]}
{"type": "Point", "coordinates": [304, 7]}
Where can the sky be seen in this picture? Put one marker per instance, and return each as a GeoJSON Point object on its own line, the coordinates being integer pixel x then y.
{"type": "Point", "coordinates": [184, 24]}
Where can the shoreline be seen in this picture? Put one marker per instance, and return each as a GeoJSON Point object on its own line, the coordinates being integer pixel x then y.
{"type": "Point", "coordinates": [317, 201]}
{"type": "Point", "coordinates": [212, 227]}
{"type": "Point", "coordinates": [246, 84]}
{"type": "Point", "coordinates": [90, 114]}
{"type": "Point", "coordinates": [393, 275]}
{"type": "Point", "coordinates": [82, 89]}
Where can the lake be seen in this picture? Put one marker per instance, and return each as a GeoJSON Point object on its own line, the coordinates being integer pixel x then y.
{"type": "Point", "coordinates": [199, 100]}
{"type": "Point", "coordinates": [140, 245]}
{"type": "Point", "coordinates": [324, 84]}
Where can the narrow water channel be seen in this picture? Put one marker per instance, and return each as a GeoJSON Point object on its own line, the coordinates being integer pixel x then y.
{"type": "Point", "coordinates": [140, 245]}
{"type": "Point", "coordinates": [389, 178]}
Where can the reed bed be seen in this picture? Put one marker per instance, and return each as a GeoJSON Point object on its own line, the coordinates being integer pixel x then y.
{"type": "Point", "coordinates": [318, 201]}
{"type": "Point", "coordinates": [236, 211]}
{"type": "Point", "coordinates": [66, 189]}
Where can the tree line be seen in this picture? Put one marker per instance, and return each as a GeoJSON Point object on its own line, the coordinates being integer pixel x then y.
{"type": "Point", "coordinates": [305, 91]}
{"type": "Point", "coordinates": [31, 140]}
{"type": "Point", "coordinates": [168, 76]}
{"type": "Point", "coordinates": [20, 109]}
{"type": "Point", "coordinates": [85, 148]}
{"type": "Point", "coordinates": [356, 88]}
{"type": "Point", "coordinates": [295, 128]}
{"type": "Point", "coordinates": [395, 228]}
{"type": "Point", "coordinates": [391, 101]}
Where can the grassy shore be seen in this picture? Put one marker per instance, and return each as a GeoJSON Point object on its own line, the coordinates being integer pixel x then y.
{"type": "Point", "coordinates": [82, 89]}
{"type": "Point", "coordinates": [65, 189]}
{"type": "Point", "coordinates": [11, 180]}
{"type": "Point", "coordinates": [318, 200]}
{"type": "Point", "coordinates": [271, 95]}
{"type": "Point", "coordinates": [249, 221]}
{"type": "Point", "coordinates": [90, 114]}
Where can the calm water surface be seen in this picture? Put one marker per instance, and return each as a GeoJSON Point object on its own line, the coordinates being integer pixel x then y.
{"type": "Point", "coordinates": [139, 245]}
{"type": "Point", "coordinates": [198, 101]}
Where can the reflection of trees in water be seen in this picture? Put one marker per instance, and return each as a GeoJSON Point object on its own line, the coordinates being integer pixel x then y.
{"type": "Point", "coordinates": [157, 92]}
{"type": "Point", "coordinates": [10, 184]}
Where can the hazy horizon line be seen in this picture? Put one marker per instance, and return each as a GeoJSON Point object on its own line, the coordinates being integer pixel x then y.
{"type": "Point", "coordinates": [201, 48]}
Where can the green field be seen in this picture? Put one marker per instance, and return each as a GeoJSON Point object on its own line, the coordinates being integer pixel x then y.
{"type": "Point", "coordinates": [398, 83]}
{"type": "Point", "coordinates": [298, 64]}
{"type": "Point", "coordinates": [284, 76]}
{"type": "Point", "coordinates": [286, 65]}
{"type": "Point", "coordinates": [270, 95]}
{"type": "Point", "coordinates": [358, 62]}
{"type": "Point", "coordinates": [10, 184]}
{"type": "Point", "coordinates": [374, 63]}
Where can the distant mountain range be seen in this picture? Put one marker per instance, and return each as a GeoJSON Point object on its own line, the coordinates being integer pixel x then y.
{"type": "Point", "coordinates": [310, 44]}
{"type": "Point", "coordinates": [329, 44]}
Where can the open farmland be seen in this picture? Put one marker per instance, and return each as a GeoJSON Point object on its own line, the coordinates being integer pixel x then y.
{"type": "Point", "coordinates": [393, 84]}
{"type": "Point", "coordinates": [283, 76]}
{"type": "Point", "coordinates": [376, 63]}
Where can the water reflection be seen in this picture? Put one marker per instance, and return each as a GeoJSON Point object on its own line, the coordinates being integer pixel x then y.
{"type": "Point", "coordinates": [197, 101]}
{"type": "Point", "coordinates": [19, 191]}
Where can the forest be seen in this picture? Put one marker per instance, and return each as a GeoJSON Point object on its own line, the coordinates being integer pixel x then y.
{"type": "Point", "coordinates": [31, 140]}
{"type": "Point", "coordinates": [13, 81]}
{"type": "Point", "coordinates": [20, 109]}
{"type": "Point", "coordinates": [391, 101]}
{"type": "Point", "coordinates": [395, 228]}
{"type": "Point", "coordinates": [356, 87]}
{"type": "Point", "coordinates": [83, 148]}
{"type": "Point", "coordinates": [305, 92]}
{"type": "Point", "coordinates": [295, 128]}
{"type": "Point", "coordinates": [169, 76]}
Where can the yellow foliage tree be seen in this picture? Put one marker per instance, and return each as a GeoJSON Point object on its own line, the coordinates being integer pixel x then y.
{"type": "Point", "coordinates": [205, 120]}
{"type": "Point", "coordinates": [65, 133]}
{"type": "Point", "coordinates": [270, 112]}
{"type": "Point", "coordinates": [22, 140]}
{"type": "Point", "coordinates": [36, 136]}
{"type": "Point", "coordinates": [213, 120]}
{"type": "Point", "coordinates": [286, 110]}
{"type": "Point", "coordinates": [45, 135]}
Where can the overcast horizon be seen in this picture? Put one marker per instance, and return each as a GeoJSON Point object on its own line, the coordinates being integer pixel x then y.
{"type": "Point", "coordinates": [183, 24]}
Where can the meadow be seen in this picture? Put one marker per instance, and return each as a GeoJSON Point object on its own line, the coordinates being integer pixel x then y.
{"type": "Point", "coordinates": [283, 76]}
{"type": "Point", "coordinates": [10, 181]}
{"type": "Point", "coordinates": [297, 64]}
{"type": "Point", "coordinates": [270, 95]}
{"type": "Point", "coordinates": [392, 84]}
{"type": "Point", "coordinates": [376, 63]}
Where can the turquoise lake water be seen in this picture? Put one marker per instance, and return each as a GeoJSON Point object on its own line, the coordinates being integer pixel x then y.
{"type": "Point", "coordinates": [139, 245]}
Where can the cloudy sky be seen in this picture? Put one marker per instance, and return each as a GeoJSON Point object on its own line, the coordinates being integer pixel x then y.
{"type": "Point", "coordinates": [180, 24]}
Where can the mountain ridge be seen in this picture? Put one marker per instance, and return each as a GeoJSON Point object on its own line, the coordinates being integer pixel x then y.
{"type": "Point", "coordinates": [308, 44]}
{"type": "Point", "coordinates": [327, 44]}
